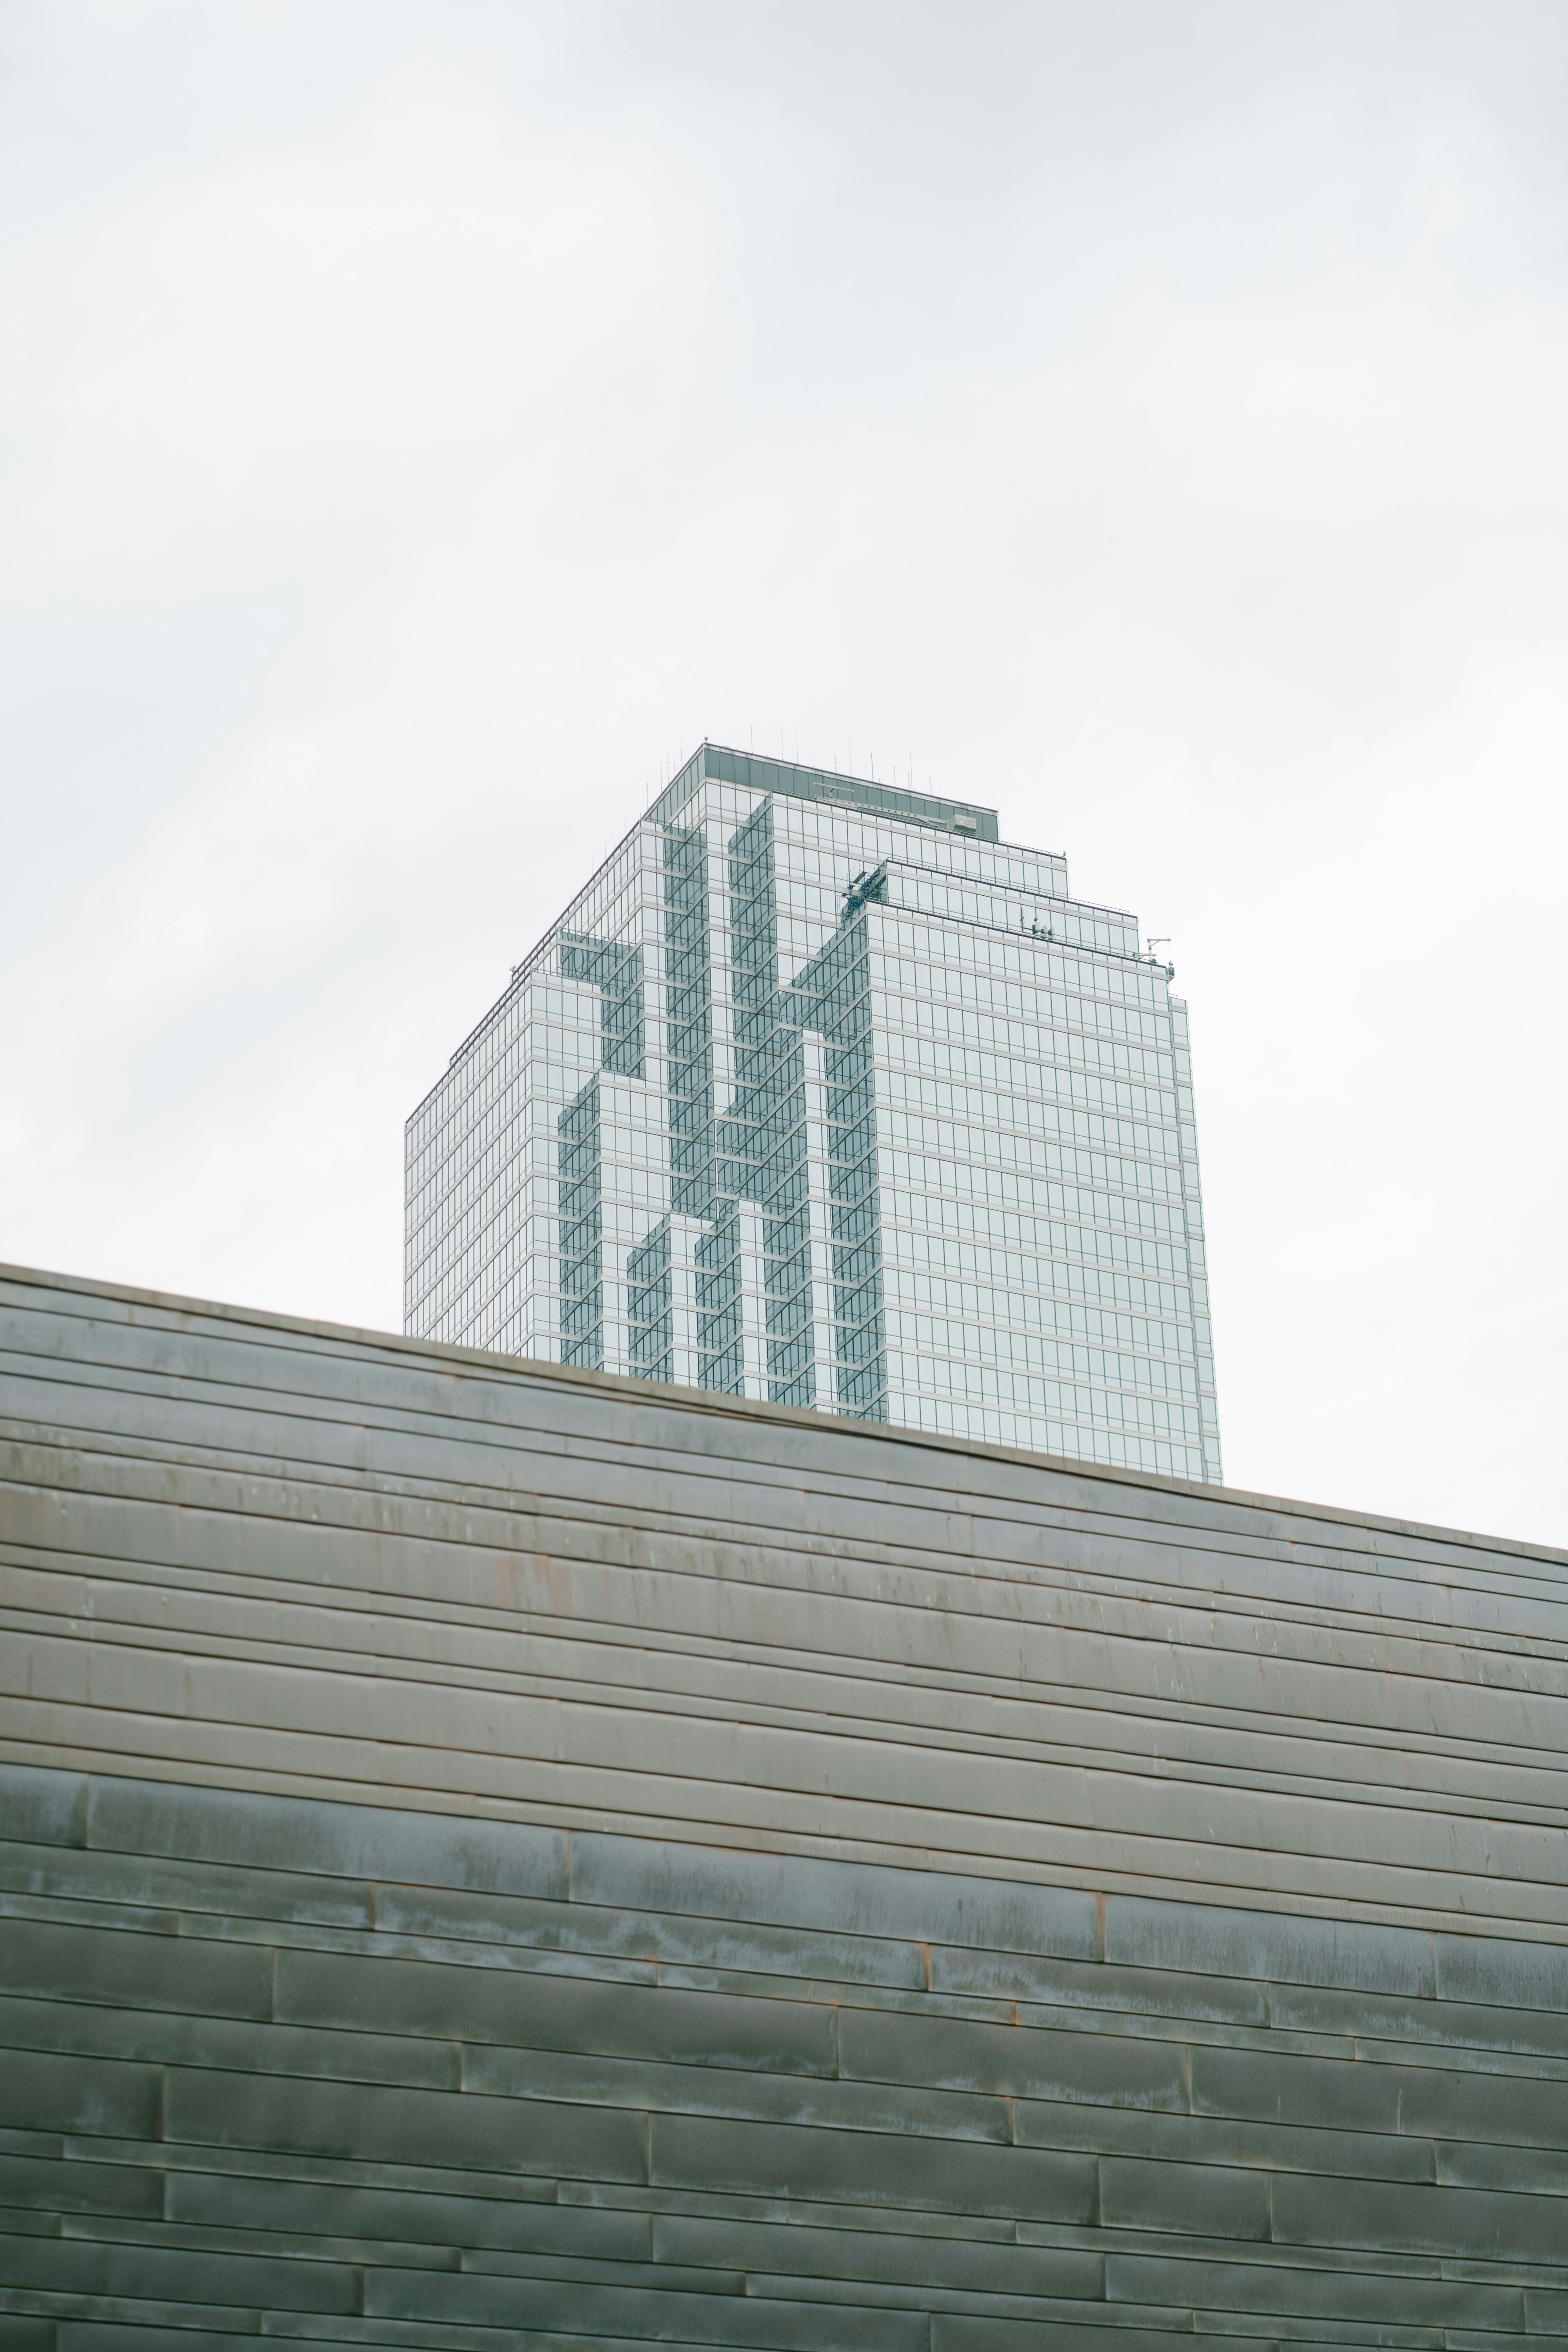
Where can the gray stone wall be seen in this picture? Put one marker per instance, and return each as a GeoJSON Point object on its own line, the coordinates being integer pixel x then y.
{"type": "Point", "coordinates": [355, 2077]}
{"type": "Point", "coordinates": [492, 1856]}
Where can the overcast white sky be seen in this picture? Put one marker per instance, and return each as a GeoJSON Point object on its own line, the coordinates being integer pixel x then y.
{"type": "Point", "coordinates": [422, 421]}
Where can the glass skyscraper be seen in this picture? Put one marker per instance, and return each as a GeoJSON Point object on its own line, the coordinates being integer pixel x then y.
{"type": "Point", "coordinates": [821, 1093]}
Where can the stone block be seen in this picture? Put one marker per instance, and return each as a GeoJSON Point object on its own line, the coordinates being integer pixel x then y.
{"type": "Point", "coordinates": [133, 1971]}
{"type": "Point", "coordinates": [1468, 2164]}
{"type": "Point", "coordinates": [1469, 2105]}
{"type": "Point", "coordinates": [604, 2312]}
{"type": "Point", "coordinates": [1389, 2306]}
{"type": "Point", "coordinates": [96, 2097]}
{"type": "Point", "coordinates": [159, 2038]}
{"type": "Point", "coordinates": [162, 1892]}
{"type": "Point", "coordinates": [181, 2275]}
{"type": "Point", "coordinates": [556, 2012]}
{"type": "Point", "coordinates": [907, 2262]}
{"type": "Point", "coordinates": [718, 2091]}
{"type": "Point", "coordinates": [1462, 2224]}
{"type": "Point", "coordinates": [667, 1937]}
{"type": "Point", "coordinates": [115, 2334]}
{"type": "Point", "coordinates": [1022, 1977]}
{"type": "Point", "coordinates": [953, 2332]}
{"type": "Point", "coordinates": [1483, 1968]}
{"type": "Point", "coordinates": [1195, 2200]}
{"type": "Point", "coordinates": [1266, 1945]}
{"type": "Point", "coordinates": [456, 2129]}
{"type": "Point", "coordinates": [1333, 2093]}
{"type": "Point", "coordinates": [728, 2159]}
{"type": "Point", "coordinates": [54, 2184]}
{"type": "Point", "coordinates": [1013, 2060]}
{"type": "Point", "coordinates": [1445, 2024]}
{"type": "Point", "coordinates": [848, 1898]}
{"type": "Point", "coordinates": [316, 1837]}
{"type": "Point", "coordinates": [227, 2201]}
{"type": "Point", "coordinates": [18, 2333]}
{"type": "Point", "coordinates": [1218, 2141]}
{"type": "Point", "coordinates": [40, 1807]}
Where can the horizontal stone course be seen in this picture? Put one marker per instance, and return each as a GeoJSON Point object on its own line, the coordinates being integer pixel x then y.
{"type": "Point", "coordinates": [227, 1826]}
{"type": "Point", "coordinates": [101, 1964]}
{"type": "Point", "coordinates": [180, 2274]}
{"type": "Point", "coordinates": [407, 2216]}
{"type": "Point", "coordinates": [656, 1939]}
{"type": "Point", "coordinates": [844, 1898]}
{"type": "Point", "coordinates": [287, 2116]}
{"type": "Point", "coordinates": [161, 2038]}
{"type": "Point", "coordinates": [185, 1889]}
{"type": "Point", "coordinates": [565, 2013]}
{"type": "Point", "coordinates": [41, 2090]}
{"type": "Point", "coordinates": [1222, 2142]}
{"type": "Point", "coordinates": [772, 2160]}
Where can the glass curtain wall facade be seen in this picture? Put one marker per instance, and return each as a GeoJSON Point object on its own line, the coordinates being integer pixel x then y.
{"type": "Point", "coordinates": [822, 1094]}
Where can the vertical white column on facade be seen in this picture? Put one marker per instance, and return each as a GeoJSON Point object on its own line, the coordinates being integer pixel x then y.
{"type": "Point", "coordinates": [720, 966]}
{"type": "Point", "coordinates": [685, 1232]}
{"type": "Point", "coordinates": [616, 1157]}
{"type": "Point", "coordinates": [617, 1334]}
{"type": "Point", "coordinates": [817, 1172]}
{"type": "Point", "coordinates": [656, 1016]}
{"type": "Point", "coordinates": [551, 1087]}
{"type": "Point", "coordinates": [1197, 1256]}
{"type": "Point", "coordinates": [753, 1302]}
{"type": "Point", "coordinates": [542, 1265]}
{"type": "Point", "coordinates": [633, 1195]}
{"type": "Point", "coordinates": [650, 938]}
